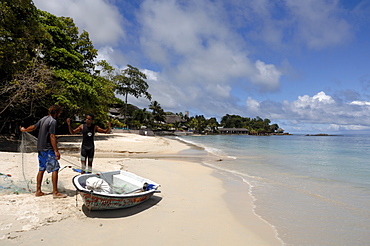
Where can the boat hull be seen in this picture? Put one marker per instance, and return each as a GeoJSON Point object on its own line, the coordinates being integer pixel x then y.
{"type": "Point", "coordinates": [99, 201]}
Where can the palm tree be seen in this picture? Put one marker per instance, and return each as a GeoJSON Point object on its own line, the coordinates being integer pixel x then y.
{"type": "Point", "coordinates": [157, 112]}
{"type": "Point", "coordinates": [213, 124]}
{"type": "Point", "coordinates": [142, 116]}
{"type": "Point", "coordinates": [198, 123]}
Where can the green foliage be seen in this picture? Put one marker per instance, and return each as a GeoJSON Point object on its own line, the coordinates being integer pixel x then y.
{"type": "Point", "coordinates": [213, 125]}
{"type": "Point", "coordinates": [117, 123]}
{"type": "Point", "coordinates": [82, 93]}
{"type": "Point", "coordinates": [233, 121]}
{"type": "Point", "coordinates": [44, 61]}
{"type": "Point", "coordinates": [79, 89]}
{"type": "Point", "coordinates": [131, 82]}
{"type": "Point", "coordinates": [157, 112]}
{"type": "Point", "coordinates": [141, 117]}
{"type": "Point", "coordinates": [64, 48]}
{"type": "Point", "coordinates": [255, 126]}
{"type": "Point", "coordinates": [20, 32]}
{"type": "Point", "coordinates": [198, 123]}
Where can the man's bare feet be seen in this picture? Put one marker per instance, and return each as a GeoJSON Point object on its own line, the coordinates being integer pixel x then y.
{"type": "Point", "coordinates": [59, 195]}
{"type": "Point", "coordinates": [40, 193]}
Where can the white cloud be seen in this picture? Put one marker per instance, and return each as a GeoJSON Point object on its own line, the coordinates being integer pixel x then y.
{"type": "Point", "coordinates": [100, 19]}
{"type": "Point", "coordinates": [334, 127]}
{"type": "Point", "coordinates": [150, 75]}
{"type": "Point", "coordinates": [200, 58]}
{"type": "Point", "coordinates": [210, 101]}
{"type": "Point", "coordinates": [113, 56]}
{"type": "Point", "coordinates": [253, 105]}
{"type": "Point", "coordinates": [192, 40]}
{"type": "Point", "coordinates": [315, 24]}
{"type": "Point", "coordinates": [316, 110]}
{"type": "Point", "coordinates": [197, 58]}
{"type": "Point", "coordinates": [360, 103]}
{"type": "Point", "coordinates": [318, 23]}
{"type": "Point", "coordinates": [268, 75]}
{"type": "Point", "coordinates": [323, 98]}
{"type": "Point", "coordinates": [317, 101]}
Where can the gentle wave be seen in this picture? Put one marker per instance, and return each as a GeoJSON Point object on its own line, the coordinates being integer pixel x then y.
{"type": "Point", "coordinates": [211, 150]}
{"type": "Point", "coordinates": [244, 178]}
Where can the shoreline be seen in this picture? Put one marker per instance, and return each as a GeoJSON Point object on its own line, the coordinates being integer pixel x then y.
{"type": "Point", "coordinates": [197, 205]}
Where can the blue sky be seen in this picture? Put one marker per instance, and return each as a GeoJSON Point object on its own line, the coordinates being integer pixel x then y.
{"type": "Point", "coordinates": [302, 64]}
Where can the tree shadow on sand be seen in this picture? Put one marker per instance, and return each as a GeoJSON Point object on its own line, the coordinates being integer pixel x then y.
{"type": "Point", "coordinates": [9, 143]}
{"type": "Point", "coordinates": [122, 212]}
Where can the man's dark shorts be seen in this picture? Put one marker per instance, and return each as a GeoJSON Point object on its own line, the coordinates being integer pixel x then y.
{"type": "Point", "coordinates": [48, 161]}
{"type": "Point", "coordinates": [87, 153]}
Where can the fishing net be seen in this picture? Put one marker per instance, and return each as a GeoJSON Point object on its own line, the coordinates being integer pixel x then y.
{"type": "Point", "coordinates": [28, 145]}
{"type": "Point", "coordinates": [14, 179]}
{"type": "Point", "coordinates": [22, 178]}
{"type": "Point", "coordinates": [8, 185]}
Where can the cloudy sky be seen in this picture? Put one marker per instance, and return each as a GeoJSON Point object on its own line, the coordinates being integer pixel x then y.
{"type": "Point", "coordinates": [302, 64]}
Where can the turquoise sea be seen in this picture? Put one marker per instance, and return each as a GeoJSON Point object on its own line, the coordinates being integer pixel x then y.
{"type": "Point", "coordinates": [313, 190]}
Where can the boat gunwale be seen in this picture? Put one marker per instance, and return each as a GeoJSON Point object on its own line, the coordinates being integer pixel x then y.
{"type": "Point", "coordinates": [79, 188]}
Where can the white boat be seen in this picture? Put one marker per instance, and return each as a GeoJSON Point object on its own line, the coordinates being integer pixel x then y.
{"type": "Point", "coordinates": [113, 189]}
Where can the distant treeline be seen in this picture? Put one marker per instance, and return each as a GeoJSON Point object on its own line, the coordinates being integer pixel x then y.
{"type": "Point", "coordinates": [199, 124]}
{"type": "Point", "coordinates": [256, 126]}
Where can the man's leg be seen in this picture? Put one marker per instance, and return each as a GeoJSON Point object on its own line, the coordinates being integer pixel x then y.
{"type": "Point", "coordinates": [54, 178]}
{"type": "Point", "coordinates": [40, 175]}
{"type": "Point", "coordinates": [89, 166]}
{"type": "Point", "coordinates": [90, 158]}
{"type": "Point", "coordinates": [83, 166]}
{"type": "Point", "coordinates": [83, 158]}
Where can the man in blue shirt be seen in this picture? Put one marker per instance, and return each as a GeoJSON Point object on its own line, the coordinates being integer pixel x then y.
{"type": "Point", "coordinates": [47, 148]}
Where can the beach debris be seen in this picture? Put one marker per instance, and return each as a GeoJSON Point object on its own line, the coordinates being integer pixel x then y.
{"type": "Point", "coordinates": [8, 175]}
{"type": "Point", "coordinates": [77, 170]}
{"type": "Point", "coordinates": [7, 184]}
{"type": "Point", "coordinates": [65, 167]}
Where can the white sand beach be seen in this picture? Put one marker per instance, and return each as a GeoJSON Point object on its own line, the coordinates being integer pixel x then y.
{"type": "Point", "coordinates": [195, 206]}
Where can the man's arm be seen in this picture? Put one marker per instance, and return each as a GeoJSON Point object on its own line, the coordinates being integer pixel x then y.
{"type": "Point", "coordinates": [98, 129]}
{"type": "Point", "coordinates": [28, 129]}
{"type": "Point", "coordinates": [53, 140]}
{"type": "Point", "coordinates": [71, 131]}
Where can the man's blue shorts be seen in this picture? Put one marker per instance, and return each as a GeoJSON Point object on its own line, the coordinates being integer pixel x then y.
{"type": "Point", "coordinates": [48, 161]}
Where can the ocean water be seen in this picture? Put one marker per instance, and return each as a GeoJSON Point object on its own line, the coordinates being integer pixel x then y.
{"type": "Point", "coordinates": [313, 190]}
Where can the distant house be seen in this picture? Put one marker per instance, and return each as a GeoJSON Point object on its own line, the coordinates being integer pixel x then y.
{"type": "Point", "coordinates": [173, 118]}
{"type": "Point", "coordinates": [233, 130]}
{"type": "Point", "coordinates": [114, 113]}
